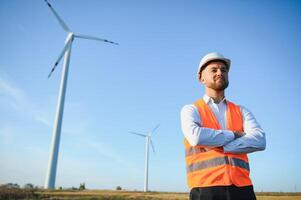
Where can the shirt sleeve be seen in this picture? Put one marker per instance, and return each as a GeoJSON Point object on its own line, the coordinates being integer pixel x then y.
{"type": "Point", "coordinates": [254, 138]}
{"type": "Point", "coordinates": [198, 135]}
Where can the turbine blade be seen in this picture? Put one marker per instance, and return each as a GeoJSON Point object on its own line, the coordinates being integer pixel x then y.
{"type": "Point", "coordinates": [155, 129]}
{"type": "Point", "coordinates": [63, 24]}
{"type": "Point", "coordinates": [153, 147]}
{"type": "Point", "coordinates": [94, 38]}
{"type": "Point", "coordinates": [67, 45]}
{"type": "Point", "coordinates": [142, 135]}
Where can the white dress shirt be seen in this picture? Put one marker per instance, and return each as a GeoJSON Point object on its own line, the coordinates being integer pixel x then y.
{"type": "Point", "coordinates": [253, 140]}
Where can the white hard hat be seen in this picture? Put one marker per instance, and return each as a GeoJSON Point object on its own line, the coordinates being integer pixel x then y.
{"type": "Point", "coordinates": [210, 57]}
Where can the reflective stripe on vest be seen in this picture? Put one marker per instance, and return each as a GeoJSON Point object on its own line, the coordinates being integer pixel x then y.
{"type": "Point", "coordinates": [194, 150]}
{"type": "Point", "coordinates": [217, 162]}
{"type": "Point", "coordinates": [212, 166]}
{"type": "Point", "coordinates": [239, 163]}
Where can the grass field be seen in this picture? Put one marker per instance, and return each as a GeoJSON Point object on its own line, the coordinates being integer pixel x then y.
{"type": "Point", "coordinates": [108, 194]}
{"type": "Point", "coordinates": [278, 197]}
{"type": "Point", "coordinates": [116, 195]}
{"type": "Point", "coordinates": [119, 195]}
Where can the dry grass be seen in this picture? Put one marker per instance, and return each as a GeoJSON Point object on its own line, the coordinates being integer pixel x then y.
{"type": "Point", "coordinates": [108, 194]}
{"type": "Point", "coordinates": [278, 197]}
{"type": "Point", "coordinates": [118, 195]}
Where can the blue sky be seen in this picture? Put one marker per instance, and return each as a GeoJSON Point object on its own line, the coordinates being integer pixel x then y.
{"type": "Point", "coordinates": [142, 82]}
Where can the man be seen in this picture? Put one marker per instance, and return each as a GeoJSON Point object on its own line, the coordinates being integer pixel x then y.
{"type": "Point", "coordinates": [218, 136]}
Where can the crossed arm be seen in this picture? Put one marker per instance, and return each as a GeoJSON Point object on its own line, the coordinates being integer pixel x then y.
{"type": "Point", "coordinates": [253, 138]}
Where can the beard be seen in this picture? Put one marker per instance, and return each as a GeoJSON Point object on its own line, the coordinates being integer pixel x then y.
{"type": "Point", "coordinates": [218, 86]}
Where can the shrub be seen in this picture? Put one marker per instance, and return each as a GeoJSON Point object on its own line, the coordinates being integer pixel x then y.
{"type": "Point", "coordinates": [82, 186]}
{"type": "Point", "coordinates": [9, 191]}
{"type": "Point", "coordinates": [28, 186]}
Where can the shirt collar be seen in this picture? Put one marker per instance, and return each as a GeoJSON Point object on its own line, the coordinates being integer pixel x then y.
{"type": "Point", "coordinates": [208, 99]}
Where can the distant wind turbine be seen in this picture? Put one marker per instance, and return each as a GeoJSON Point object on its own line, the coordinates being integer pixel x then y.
{"type": "Point", "coordinates": [56, 132]}
{"type": "Point", "coordinates": [148, 140]}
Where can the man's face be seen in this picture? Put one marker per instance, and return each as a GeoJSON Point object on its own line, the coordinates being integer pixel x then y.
{"type": "Point", "coordinates": [215, 76]}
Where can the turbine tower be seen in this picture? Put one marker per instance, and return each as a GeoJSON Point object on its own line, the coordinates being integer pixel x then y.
{"type": "Point", "coordinates": [148, 141]}
{"type": "Point", "coordinates": [57, 125]}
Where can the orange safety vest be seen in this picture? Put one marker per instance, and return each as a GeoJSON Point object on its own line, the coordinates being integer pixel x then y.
{"type": "Point", "coordinates": [213, 167]}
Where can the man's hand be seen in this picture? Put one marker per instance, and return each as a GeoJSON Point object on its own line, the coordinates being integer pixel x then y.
{"type": "Point", "coordinates": [238, 134]}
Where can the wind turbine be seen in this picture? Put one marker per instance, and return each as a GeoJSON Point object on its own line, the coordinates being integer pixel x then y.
{"type": "Point", "coordinates": [148, 140]}
{"type": "Point", "coordinates": [57, 125]}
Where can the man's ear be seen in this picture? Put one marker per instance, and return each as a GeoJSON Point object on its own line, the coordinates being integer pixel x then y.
{"type": "Point", "coordinates": [202, 80]}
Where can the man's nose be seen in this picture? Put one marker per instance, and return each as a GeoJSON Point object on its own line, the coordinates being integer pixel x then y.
{"type": "Point", "coordinates": [219, 72]}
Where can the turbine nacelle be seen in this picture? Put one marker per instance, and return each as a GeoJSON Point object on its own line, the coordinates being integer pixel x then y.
{"type": "Point", "coordinates": [148, 136]}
